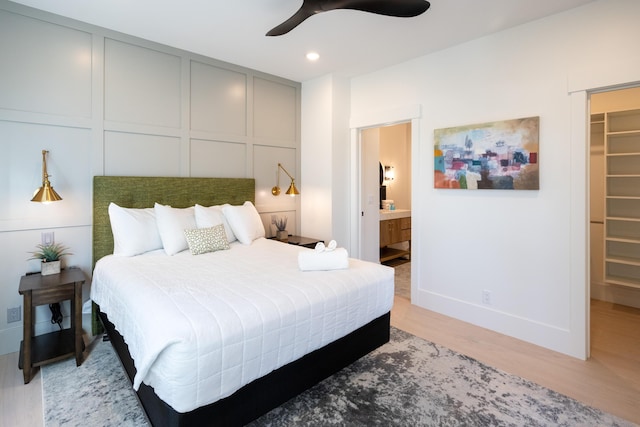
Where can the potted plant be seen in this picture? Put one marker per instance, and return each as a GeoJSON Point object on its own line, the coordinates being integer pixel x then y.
{"type": "Point", "coordinates": [50, 256]}
{"type": "Point", "coordinates": [281, 225]}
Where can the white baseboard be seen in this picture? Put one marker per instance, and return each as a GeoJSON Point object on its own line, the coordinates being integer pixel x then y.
{"type": "Point", "coordinates": [616, 294]}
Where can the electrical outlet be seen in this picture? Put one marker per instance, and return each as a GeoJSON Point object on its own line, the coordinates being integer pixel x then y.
{"type": "Point", "coordinates": [48, 238]}
{"type": "Point", "coordinates": [13, 314]}
{"type": "Point", "coordinates": [486, 297]}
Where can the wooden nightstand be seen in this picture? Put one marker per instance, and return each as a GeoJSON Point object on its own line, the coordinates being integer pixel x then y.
{"type": "Point", "coordinates": [39, 290]}
{"type": "Point", "coordinates": [307, 242]}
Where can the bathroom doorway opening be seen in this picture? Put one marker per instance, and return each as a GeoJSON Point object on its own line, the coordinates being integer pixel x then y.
{"type": "Point", "coordinates": [386, 188]}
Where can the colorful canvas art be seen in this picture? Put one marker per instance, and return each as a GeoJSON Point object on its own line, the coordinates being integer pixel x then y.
{"type": "Point", "coordinates": [497, 155]}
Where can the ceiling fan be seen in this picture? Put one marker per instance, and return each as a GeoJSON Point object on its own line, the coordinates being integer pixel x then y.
{"type": "Point", "coordinates": [399, 8]}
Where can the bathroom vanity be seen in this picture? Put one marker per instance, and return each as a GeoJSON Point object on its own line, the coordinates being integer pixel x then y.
{"type": "Point", "coordinates": [395, 227]}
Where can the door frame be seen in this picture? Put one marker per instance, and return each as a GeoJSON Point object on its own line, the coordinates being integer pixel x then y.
{"type": "Point", "coordinates": [369, 224]}
{"type": "Point", "coordinates": [580, 88]}
{"type": "Point", "coordinates": [374, 119]}
{"type": "Point", "coordinates": [590, 93]}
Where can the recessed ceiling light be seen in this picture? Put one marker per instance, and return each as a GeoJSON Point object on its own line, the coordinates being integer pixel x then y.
{"type": "Point", "coordinates": [313, 56]}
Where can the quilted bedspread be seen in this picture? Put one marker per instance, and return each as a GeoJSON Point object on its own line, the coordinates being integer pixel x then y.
{"type": "Point", "coordinates": [201, 327]}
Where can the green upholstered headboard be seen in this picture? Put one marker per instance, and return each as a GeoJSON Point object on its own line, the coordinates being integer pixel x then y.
{"type": "Point", "coordinates": [143, 192]}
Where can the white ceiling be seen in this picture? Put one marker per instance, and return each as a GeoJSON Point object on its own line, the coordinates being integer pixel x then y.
{"type": "Point", "coordinates": [348, 42]}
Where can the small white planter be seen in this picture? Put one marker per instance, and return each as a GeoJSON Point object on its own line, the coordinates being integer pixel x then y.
{"type": "Point", "coordinates": [51, 267]}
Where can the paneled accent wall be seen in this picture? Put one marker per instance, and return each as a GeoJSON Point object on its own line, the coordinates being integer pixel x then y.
{"type": "Point", "coordinates": [141, 85]}
{"type": "Point", "coordinates": [218, 100]}
{"type": "Point", "coordinates": [104, 103]}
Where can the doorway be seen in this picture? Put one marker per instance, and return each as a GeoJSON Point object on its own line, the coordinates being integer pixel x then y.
{"type": "Point", "coordinates": [376, 119]}
{"type": "Point", "coordinates": [614, 159]}
{"type": "Point", "coordinates": [385, 192]}
{"type": "Point", "coordinates": [613, 123]}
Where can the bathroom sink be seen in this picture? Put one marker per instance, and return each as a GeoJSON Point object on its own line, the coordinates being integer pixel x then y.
{"type": "Point", "coordinates": [393, 214]}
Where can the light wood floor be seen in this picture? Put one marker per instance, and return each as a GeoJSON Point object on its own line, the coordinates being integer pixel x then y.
{"type": "Point", "coordinates": [609, 380]}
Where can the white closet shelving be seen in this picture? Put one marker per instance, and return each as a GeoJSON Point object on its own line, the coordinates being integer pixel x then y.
{"type": "Point", "coordinates": [622, 198]}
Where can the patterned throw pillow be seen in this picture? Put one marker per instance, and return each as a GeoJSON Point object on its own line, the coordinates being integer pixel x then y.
{"type": "Point", "coordinates": [203, 240]}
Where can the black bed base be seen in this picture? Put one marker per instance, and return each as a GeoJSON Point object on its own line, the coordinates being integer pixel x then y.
{"type": "Point", "coordinates": [266, 393]}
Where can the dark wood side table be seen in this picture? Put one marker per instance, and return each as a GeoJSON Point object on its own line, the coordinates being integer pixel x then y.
{"type": "Point", "coordinates": [46, 348]}
{"type": "Point", "coordinates": [303, 241]}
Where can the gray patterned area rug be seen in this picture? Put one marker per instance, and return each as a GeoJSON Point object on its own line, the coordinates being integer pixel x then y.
{"type": "Point", "coordinates": [407, 382]}
{"type": "Point", "coordinates": [96, 393]}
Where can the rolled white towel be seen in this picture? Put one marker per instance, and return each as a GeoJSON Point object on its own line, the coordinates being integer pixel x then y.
{"type": "Point", "coordinates": [319, 247]}
{"type": "Point", "coordinates": [331, 246]}
{"type": "Point", "coordinates": [336, 259]}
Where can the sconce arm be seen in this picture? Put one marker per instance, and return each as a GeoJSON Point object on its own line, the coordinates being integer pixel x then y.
{"type": "Point", "coordinates": [285, 171]}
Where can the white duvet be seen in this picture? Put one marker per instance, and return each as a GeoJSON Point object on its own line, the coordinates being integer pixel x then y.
{"type": "Point", "coordinates": [200, 327]}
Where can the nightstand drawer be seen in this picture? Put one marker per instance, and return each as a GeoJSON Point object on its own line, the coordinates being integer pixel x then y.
{"type": "Point", "coordinates": [49, 296]}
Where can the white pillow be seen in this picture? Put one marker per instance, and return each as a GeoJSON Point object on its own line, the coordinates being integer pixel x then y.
{"type": "Point", "coordinates": [134, 230]}
{"type": "Point", "coordinates": [244, 221]}
{"type": "Point", "coordinates": [171, 224]}
{"type": "Point", "coordinates": [212, 216]}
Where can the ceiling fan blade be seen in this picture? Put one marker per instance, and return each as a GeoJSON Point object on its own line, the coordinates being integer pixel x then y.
{"type": "Point", "coordinates": [303, 13]}
{"type": "Point", "coordinates": [398, 8]}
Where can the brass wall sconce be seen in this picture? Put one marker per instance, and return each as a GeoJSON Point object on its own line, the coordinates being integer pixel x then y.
{"type": "Point", "coordinates": [292, 190]}
{"type": "Point", "coordinates": [46, 193]}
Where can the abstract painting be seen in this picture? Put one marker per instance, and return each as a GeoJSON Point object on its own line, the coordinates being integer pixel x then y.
{"type": "Point", "coordinates": [499, 155]}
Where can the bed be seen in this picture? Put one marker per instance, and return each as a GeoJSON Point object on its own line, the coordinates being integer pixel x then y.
{"type": "Point", "coordinates": [223, 337]}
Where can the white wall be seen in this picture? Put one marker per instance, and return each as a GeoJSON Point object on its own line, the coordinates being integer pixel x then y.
{"type": "Point", "coordinates": [525, 247]}
{"type": "Point", "coordinates": [316, 166]}
{"type": "Point", "coordinates": [325, 159]}
{"type": "Point", "coordinates": [340, 161]}
{"type": "Point", "coordinates": [104, 103]}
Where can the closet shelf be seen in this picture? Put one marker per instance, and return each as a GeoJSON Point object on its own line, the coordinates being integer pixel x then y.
{"type": "Point", "coordinates": [623, 260]}
{"type": "Point", "coordinates": [623, 197]}
{"type": "Point", "coordinates": [619, 218]}
{"type": "Point", "coordinates": [613, 280]}
{"type": "Point", "coordinates": [623, 154]}
{"type": "Point", "coordinates": [622, 240]}
{"type": "Point", "coordinates": [624, 132]}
